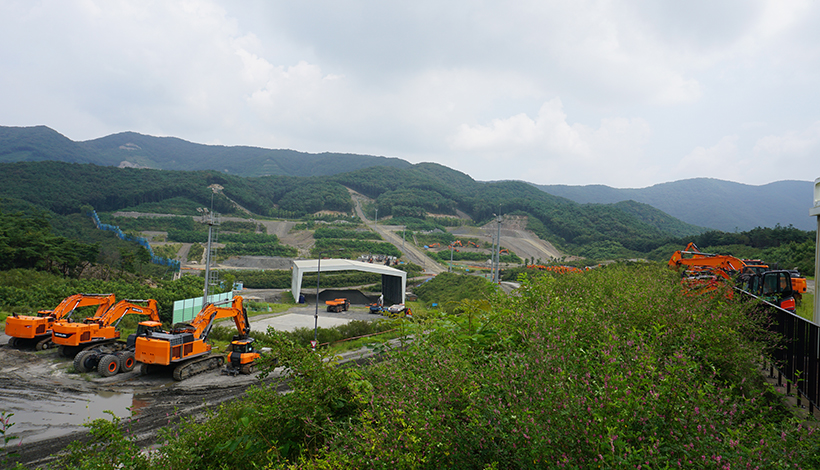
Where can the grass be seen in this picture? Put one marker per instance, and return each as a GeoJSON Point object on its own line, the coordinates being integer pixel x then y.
{"type": "Point", "coordinates": [266, 308]}
{"type": "Point", "coordinates": [806, 307]}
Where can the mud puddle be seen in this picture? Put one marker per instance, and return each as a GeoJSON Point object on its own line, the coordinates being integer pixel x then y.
{"type": "Point", "coordinates": [46, 415]}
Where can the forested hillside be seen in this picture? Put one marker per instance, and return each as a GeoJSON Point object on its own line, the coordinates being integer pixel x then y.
{"type": "Point", "coordinates": [699, 202]}
{"type": "Point", "coordinates": [594, 230]}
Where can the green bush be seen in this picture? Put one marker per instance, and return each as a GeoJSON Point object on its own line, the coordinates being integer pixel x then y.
{"type": "Point", "coordinates": [335, 232]}
{"type": "Point", "coordinates": [353, 248]}
{"type": "Point", "coordinates": [50, 290]}
{"type": "Point", "coordinates": [449, 288]}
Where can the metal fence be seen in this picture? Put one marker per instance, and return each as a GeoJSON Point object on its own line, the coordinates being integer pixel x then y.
{"type": "Point", "coordinates": [796, 362]}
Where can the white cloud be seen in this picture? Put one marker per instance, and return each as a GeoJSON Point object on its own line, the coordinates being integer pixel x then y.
{"type": "Point", "coordinates": [791, 148]}
{"type": "Point", "coordinates": [548, 145]}
{"type": "Point", "coordinates": [721, 158]}
{"type": "Point", "coordinates": [470, 85]}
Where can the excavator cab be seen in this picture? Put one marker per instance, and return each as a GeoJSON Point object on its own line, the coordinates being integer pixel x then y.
{"type": "Point", "coordinates": [776, 288]}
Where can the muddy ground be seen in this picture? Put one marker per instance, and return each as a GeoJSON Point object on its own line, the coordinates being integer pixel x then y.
{"type": "Point", "coordinates": [50, 402]}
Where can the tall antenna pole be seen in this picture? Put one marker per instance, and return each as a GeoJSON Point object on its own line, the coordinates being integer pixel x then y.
{"type": "Point", "coordinates": [210, 221]}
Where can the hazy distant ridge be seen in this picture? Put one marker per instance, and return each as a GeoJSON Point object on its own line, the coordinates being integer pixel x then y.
{"type": "Point", "coordinates": [713, 203]}
{"type": "Point", "coordinates": [170, 153]}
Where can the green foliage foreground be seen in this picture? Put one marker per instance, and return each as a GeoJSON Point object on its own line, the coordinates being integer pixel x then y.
{"type": "Point", "coordinates": [611, 368]}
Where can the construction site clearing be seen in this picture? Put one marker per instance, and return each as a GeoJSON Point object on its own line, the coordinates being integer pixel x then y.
{"type": "Point", "coordinates": [50, 401]}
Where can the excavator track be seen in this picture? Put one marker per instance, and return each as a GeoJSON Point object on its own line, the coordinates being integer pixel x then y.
{"type": "Point", "coordinates": [44, 344]}
{"type": "Point", "coordinates": [198, 366]}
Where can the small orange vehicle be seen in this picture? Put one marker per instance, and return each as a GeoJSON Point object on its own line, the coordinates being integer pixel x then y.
{"type": "Point", "coordinates": [242, 357]}
{"type": "Point", "coordinates": [185, 348]}
{"type": "Point", "coordinates": [37, 329]}
{"type": "Point", "coordinates": [337, 305]}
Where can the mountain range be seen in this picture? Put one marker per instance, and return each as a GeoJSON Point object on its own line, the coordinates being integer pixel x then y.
{"type": "Point", "coordinates": [713, 203]}
{"type": "Point", "coordinates": [699, 202]}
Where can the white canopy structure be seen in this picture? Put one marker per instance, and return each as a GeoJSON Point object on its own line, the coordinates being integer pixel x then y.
{"type": "Point", "coordinates": [394, 281]}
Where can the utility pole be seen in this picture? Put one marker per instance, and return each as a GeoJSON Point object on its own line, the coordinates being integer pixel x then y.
{"type": "Point", "coordinates": [815, 212]}
{"type": "Point", "coordinates": [497, 277]}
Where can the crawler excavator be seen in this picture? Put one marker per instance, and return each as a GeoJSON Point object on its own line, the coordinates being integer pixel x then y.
{"type": "Point", "coordinates": [101, 329]}
{"type": "Point", "coordinates": [185, 348]}
{"type": "Point", "coordinates": [112, 357]}
{"type": "Point", "coordinates": [29, 329]}
{"type": "Point", "coordinates": [705, 272]}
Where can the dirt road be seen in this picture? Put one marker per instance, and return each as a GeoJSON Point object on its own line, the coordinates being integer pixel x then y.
{"type": "Point", "coordinates": [514, 237]}
{"type": "Point", "coordinates": [410, 251]}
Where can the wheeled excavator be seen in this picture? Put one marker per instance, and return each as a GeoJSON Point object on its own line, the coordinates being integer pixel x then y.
{"type": "Point", "coordinates": [113, 356]}
{"type": "Point", "coordinates": [101, 329]}
{"type": "Point", "coordinates": [30, 329]}
{"type": "Point", "coordinates": [186, 348]}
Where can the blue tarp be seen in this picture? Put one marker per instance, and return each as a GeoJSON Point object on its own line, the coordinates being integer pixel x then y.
{"type": "Point", "coordinates": [142, 241]}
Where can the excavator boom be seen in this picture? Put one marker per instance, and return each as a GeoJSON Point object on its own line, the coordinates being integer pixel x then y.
{"type": "Point", "coordinates": [101, 327]}
{"type": "Point", "coordinates": [28, 327]}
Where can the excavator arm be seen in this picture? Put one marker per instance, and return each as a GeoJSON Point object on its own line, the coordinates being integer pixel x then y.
{"type": "Point", "coordinates": [235, 311]}
{"type": "Point", "coordinates": [127, 307]}
{"type": "Point", "coordinates": [73, 302]}
{"type": "Point", "coordinates": [201, 325]}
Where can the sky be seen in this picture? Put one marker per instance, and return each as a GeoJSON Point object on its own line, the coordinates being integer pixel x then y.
{"type": "Point", "coordinates": [625, 93]}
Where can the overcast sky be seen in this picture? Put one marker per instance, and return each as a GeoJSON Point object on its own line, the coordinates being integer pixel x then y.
{"type": "Point", "coordinates": [623, 93]}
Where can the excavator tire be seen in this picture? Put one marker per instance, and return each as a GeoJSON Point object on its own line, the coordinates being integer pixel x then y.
{"type": "Point", "coordinates": [248, 369]}
{"type": "Point", "coordinates": [128, 361]}
{"type": "Point", "coordinates": [109, 365]}
{"type": "Point", "coordinates": [79, 362]}
{"type": "Point", "coordinates": [42, 345]}
{"type": "Point", "coordinates": [13, 342]}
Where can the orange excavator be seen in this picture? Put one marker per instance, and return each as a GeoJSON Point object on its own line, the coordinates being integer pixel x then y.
{"type": "Point", "coordinates": [110, 357]}
{"type": "Point", "coordinates": [29, 329]}
{"type": "Point", "coordinates": [101, 329]}
{"type": "Point", "coordinates": [705, 272]}
{"type": "Point", "coordinates": [185, 348]}
{"type": "Point", "coordinates": [697, 263]}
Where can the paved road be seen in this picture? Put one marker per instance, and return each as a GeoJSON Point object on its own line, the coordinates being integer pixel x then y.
{"type": "Point", "coordinates": [304, 317]}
